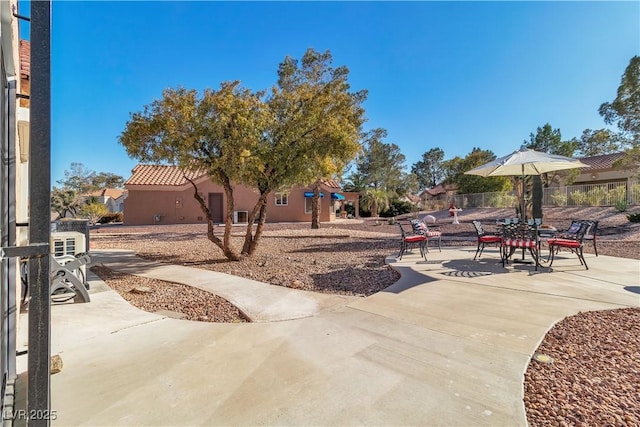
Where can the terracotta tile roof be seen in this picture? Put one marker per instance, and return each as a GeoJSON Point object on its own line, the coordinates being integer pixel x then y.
{"type": "Point", "coordinates": [604, 161]}
{"type": "Point", "coordinates": [161, 175]}
{"type": "Point", "coordinates": [114, 193]}
{"type": "Point", "coordinates": [331, 183]}
{"type": "Point", "coordinates": [25, 59]}
{"type": "Point", "coordinates": [413, 198]}
{"type": "Point", "coordinates": [439, 189]}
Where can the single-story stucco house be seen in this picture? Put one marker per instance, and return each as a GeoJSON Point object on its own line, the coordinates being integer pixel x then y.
{"type": "Point", "coordinates": [160, 194]}
{"type": "Point", "coordinates": [602, 170]}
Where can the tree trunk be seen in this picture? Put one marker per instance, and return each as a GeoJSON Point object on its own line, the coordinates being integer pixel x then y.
{"type": "Point", "coordinates": [261, 220]}
{"type": "Point", "coordinates": [251, 239]}
{"type": "Point", "coordinates": [224, 245]}
{"type": "Point", "coordinates": [315, 206]}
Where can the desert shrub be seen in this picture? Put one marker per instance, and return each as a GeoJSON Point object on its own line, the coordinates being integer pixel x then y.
{"type": "Point", "coordinates": [559, 199]}
{"type": "Point", "coordinates": [93, 212]}
{"type": "Point", "coordinates": [634, 217]}
{"type": "Point", "coordinates": [508, 200]}
{"type": "Point", "coordinates": [111, 217]}
{"type": "Point", "coordinates": [621, 205]}
{"type": "Point", "coordinates": [398, 207]}
{"type": "Point", "coordinates": [596, 196]}
{"type": "Point", "coordinates": [500, 200]}
{"type": "Point", "coordinates": [616, 195]}
{"type": "Point", "coordinates": [634, 194]}
{"type": "Point", "coordinates": [578, 198]}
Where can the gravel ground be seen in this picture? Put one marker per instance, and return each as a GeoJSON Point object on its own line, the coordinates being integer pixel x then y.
{"type": "Point", "coordinates": [595, 377]}
{"type": "Point", "coordinates": [155, 295]}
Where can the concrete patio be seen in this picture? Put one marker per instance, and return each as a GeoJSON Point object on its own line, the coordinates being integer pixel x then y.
{"type": "Point", "coordinates": [447, 344]}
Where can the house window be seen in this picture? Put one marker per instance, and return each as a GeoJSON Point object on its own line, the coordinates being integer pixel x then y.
{"type": "Point", "coordinates": [282, 199]}
{"type": "Point", "coordinates": [308, 205]}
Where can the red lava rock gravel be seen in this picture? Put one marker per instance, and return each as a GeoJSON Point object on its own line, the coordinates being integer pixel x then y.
{"type": "Point", "coordinates": [594, 379]}
{"type": "Point", "coordinates": [156, 295]}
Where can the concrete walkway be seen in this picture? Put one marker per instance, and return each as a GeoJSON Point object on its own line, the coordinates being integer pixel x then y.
{"type": "Point", "coordinates": [446, 345]}
{"type": "Point", "coordinates": [259, 301]}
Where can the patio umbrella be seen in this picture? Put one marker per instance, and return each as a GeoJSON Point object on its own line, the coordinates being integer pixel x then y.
{"type": "Point", "coordinates": [526, 162]}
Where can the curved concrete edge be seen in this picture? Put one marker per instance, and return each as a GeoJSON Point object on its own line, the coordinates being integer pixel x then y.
{"type": "Point", "coordinates": [414, 271]}
{"type": "Point", "coordinates": [258, 301]}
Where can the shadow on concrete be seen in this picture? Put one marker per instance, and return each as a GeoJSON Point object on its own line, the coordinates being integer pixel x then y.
{"type": "Point", "coordinates": [483, 266]}
{"type": "Point", "coordinates": [408, 279]}
{"type": "Point", "coordinates": [488, 266]}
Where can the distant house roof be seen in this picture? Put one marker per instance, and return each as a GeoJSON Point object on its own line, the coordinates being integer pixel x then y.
{"type": "Point", "coordinates": [331, 183]}
{"type": "Point", "coordinates": [440, 189]}
{"type": "Point", "coordinates": [161, 175]}
{"type": "Point", "coordinates": [604, 161]}
{"type": "Point", "coordinates": [114, 193]}
{"type": "Point", "coordinates": [412, 198]}
{"type": "Point", "coordinates": [174, 176]}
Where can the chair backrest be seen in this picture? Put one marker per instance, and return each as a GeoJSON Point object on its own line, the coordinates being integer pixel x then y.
{"type": "Point", "coordinates": [479, 228]}
{"type": "Point", "coordinates": [574, 227]}
{"type": "Point", "coordinates": [577, 230]}
{"type": "Point", "coordinates": [520, 231]}
{"type": "Point", "coordinates": [403, 232]}
{"type": "Point", "coordinates": [592, 229]}
{"type": "Point", "coordinates": [419, 227]}
{"type": "Point", "coordinates": [584, 227]}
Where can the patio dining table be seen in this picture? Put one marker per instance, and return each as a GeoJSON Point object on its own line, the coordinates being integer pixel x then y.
{"type": "Point", "coordinates": [518, 235]}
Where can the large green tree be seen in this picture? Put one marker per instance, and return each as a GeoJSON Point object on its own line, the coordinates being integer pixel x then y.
{"type": "Point", "coordinates": [328, 135]}
{"type": "Point", "coordinates": [429, 170]}
{"type": "Point", "coordinates": [268, 140]}
{"type": "Point", "coordinates": [83, 180]}
{"type": "Point", "coordinates": [547, 140]}
{"type": "Point", "coordinates": [456, 167]}
{"type": "Point", "coordinates": [382, 167]}
{"type": "Point", "coordinates": [216, 132]}
{"type": "Point", "coordinates": [597, 142]}
{"type": "Point", "coordinates": [624, 111]}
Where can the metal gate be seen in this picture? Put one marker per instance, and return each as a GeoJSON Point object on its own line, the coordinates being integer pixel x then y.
{"type": "Point", "coordinates": [8, 310]}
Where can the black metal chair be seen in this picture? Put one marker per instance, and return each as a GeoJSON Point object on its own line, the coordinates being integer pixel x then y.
{"type": "Point", "coordinates": [520, 236]}
{"type": "Point", "coordinates": [571, 241]}
{"type": "Point", "coordinates": [485, 238]}
{"type": "Point", "coordinates": [591, 232]}
{"type": "Point", "coordinates": [408, 239]}
{"type": "Point", "coordinates": [431, 232]}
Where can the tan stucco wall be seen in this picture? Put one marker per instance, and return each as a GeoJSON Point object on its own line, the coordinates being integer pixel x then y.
{"type": "Point", "coordinates": [603, 175]}
{"type": "Point", "coordinates": [176, 205]}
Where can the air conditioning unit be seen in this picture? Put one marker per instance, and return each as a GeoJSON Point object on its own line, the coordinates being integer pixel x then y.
{"type": "Point", "coordinates": [240, 217]}
{"type": "Point", "coordinates": [67, 244]}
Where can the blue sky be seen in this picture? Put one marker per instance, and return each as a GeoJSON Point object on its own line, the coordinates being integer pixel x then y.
{"type": "Point", "coordinates": [454, 75]}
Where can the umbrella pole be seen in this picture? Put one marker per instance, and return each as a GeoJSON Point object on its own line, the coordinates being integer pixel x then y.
{"type": "Point", "coordinates": [523, 214]}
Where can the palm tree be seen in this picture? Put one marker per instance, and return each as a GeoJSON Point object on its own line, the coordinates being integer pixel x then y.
{"type": "Point", "coordinates": [373, 199]}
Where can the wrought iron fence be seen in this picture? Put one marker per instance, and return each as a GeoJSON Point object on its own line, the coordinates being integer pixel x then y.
{"type": "Point", "coordinates": [619, 193]}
